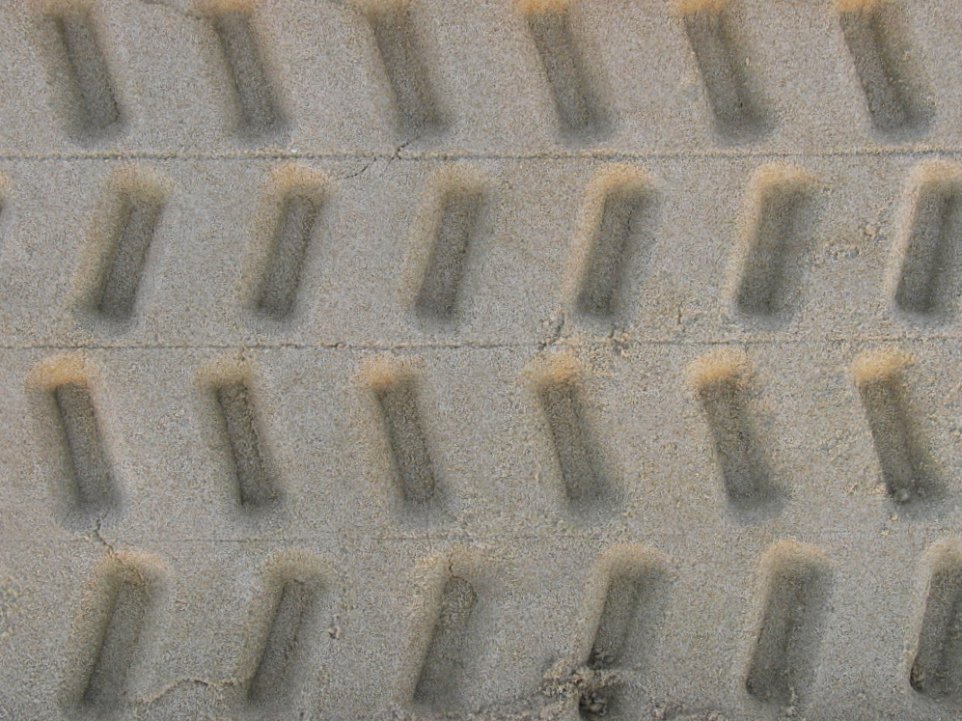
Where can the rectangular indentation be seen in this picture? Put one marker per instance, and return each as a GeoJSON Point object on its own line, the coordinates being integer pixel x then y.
{"type": "Point", "coordinates": [744, 468]}
{"type": "Point", "coordinates": [116, 641]}
{"type": "Point", "coordinates": [622, 602]}
{"type": "Point", "coordinates": [256, 486]}
{"type": "Point", "coordinates": [438, 681]}
{"type": "Point", "coordinates": [937, 668]}
{"type": "Point", "coordinates": [611, 250]}
{"type": "Point", "coordinates": [459, 216]}
{"type": "Point", "coordinates": [282, 276]}
{"type": "Point", "coordinates": [785, 650]}
{"type": "Point", "coordinates": [902, 458]}
{"type": "Point", "coordinates": [624, 635]}
{"type": "Point", "coordinates": [92, 484]}
{"type": "Point", "coordinates": [878, 54]}
{"type": "Point", "coordinates": [283, 647]}
{"type": "Point", "coordinates": [929, 253]}
{"type": "Point", "coordinates": [579, 457]}
{"type": "Point", "coordinates": [125, 255]}
{"type": "Point", "coordinates": [578, 107]}
{"type": "Point", "coordinates": [92, 104]}
{"type": "Point", "coordinates": [736, 110]}
{"type": "Point", "coordinates": [781, 231]}
{"type": "Point", "coordinates": [257, 104]}
{"type": "Point", "coordinates": [409, 449]}
{"type": "Point", "coordinates": [396, 36]}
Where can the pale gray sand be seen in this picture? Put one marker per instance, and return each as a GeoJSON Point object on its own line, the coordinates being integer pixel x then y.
{"type": "Point", "coordinates": [480, 359]}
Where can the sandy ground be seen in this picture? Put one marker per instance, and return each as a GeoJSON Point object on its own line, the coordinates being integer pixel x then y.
{"type": "Point", "coordinates": [480, 359]}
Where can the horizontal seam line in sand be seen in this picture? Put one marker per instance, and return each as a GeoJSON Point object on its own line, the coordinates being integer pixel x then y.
{"type": "Point", "coordinates": [481, 345]}
{"type": "Point", "coordinates": [546, 536]}
{"type": "Point", "coordinates": [715, 154]}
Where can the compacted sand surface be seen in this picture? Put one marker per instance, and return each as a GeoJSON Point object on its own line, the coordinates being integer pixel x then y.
{"type": "Point", "coordinates": [480, 359]}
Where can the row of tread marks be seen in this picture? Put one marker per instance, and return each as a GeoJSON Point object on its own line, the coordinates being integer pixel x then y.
{"type": "Point", "coordinates": [768, 262]}
{"type": "Point", "coordinates": [128, 592]}
{"type": "Point", "coordinates": [722, 383]}
{"type": "Point", "coordinates": [94, 111]}
{"type": "Point", "coordinates": [624, 613]}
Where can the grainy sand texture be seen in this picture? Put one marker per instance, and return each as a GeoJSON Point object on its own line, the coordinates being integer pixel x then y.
{"type": "Point", "coordinates": [492, 360]}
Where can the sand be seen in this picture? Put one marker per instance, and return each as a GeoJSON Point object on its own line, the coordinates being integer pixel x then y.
{"type": "Point", "coordinates": [480, 359]}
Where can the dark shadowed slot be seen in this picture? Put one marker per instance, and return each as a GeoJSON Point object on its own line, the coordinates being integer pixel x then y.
{"type": "Point", "coordinates": [402, 57]}
{"type": "Point", "coordinates": [92, 484]}
{"type": "Point", "coordinates": [121, 621]}
{"type": "Point", "coordinates": [126, 253]}
{"type": "Point", "coordinates": [931, 253]}
{"type": "Point", "coordinates": [784, 654]}
{"type": "Point", "coordinates": [579, 110]}
{"type": "Point", "coordinates": [96, 112]}
{"type": "Point", "coordinates": [937, 667]}
{"type": "Point", "coordinates": [736, 110]}
{"type": "Point", "coordinates": [409, 449]}
{"type": "Point", "coordinates": [284, 645]}
{"type": "Point", "coordinates": [443, 666]}
{"type": "Point", "coordinates": [879, 57]}
{"type": "Point", "coordinates": [282, 276]}
{"type": "Point", "coordinates": [612, 250]}
{"type": "Point", "coordinates": [459, 218]}
{"type": "Point", "coordinates": [778, 240]}
{"type": "Point", "coordinates": [256, 486]}
{"type": "Point", "coordinates": [255, 95]}
{"type": "Point", "coordinates": [621, 604]}
{"type": "Point", "coordinates": [743, 465]}
{"type": "Point", "coordinates": [579, 457]}
{"type": "Point", "coordinates": [624, 636]}
{"type": "Point", "coordinates": [902, 457]}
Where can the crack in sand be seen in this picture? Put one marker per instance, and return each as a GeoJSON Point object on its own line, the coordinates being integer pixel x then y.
{"type": "Point", "coordinates": [190, 15]}
{"type": "Point", "coordinates": [178, 683]}
{"type": "Point", "coordinates": [98, 534]}
{"type": "Point", "coordinates": [441, 156]}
